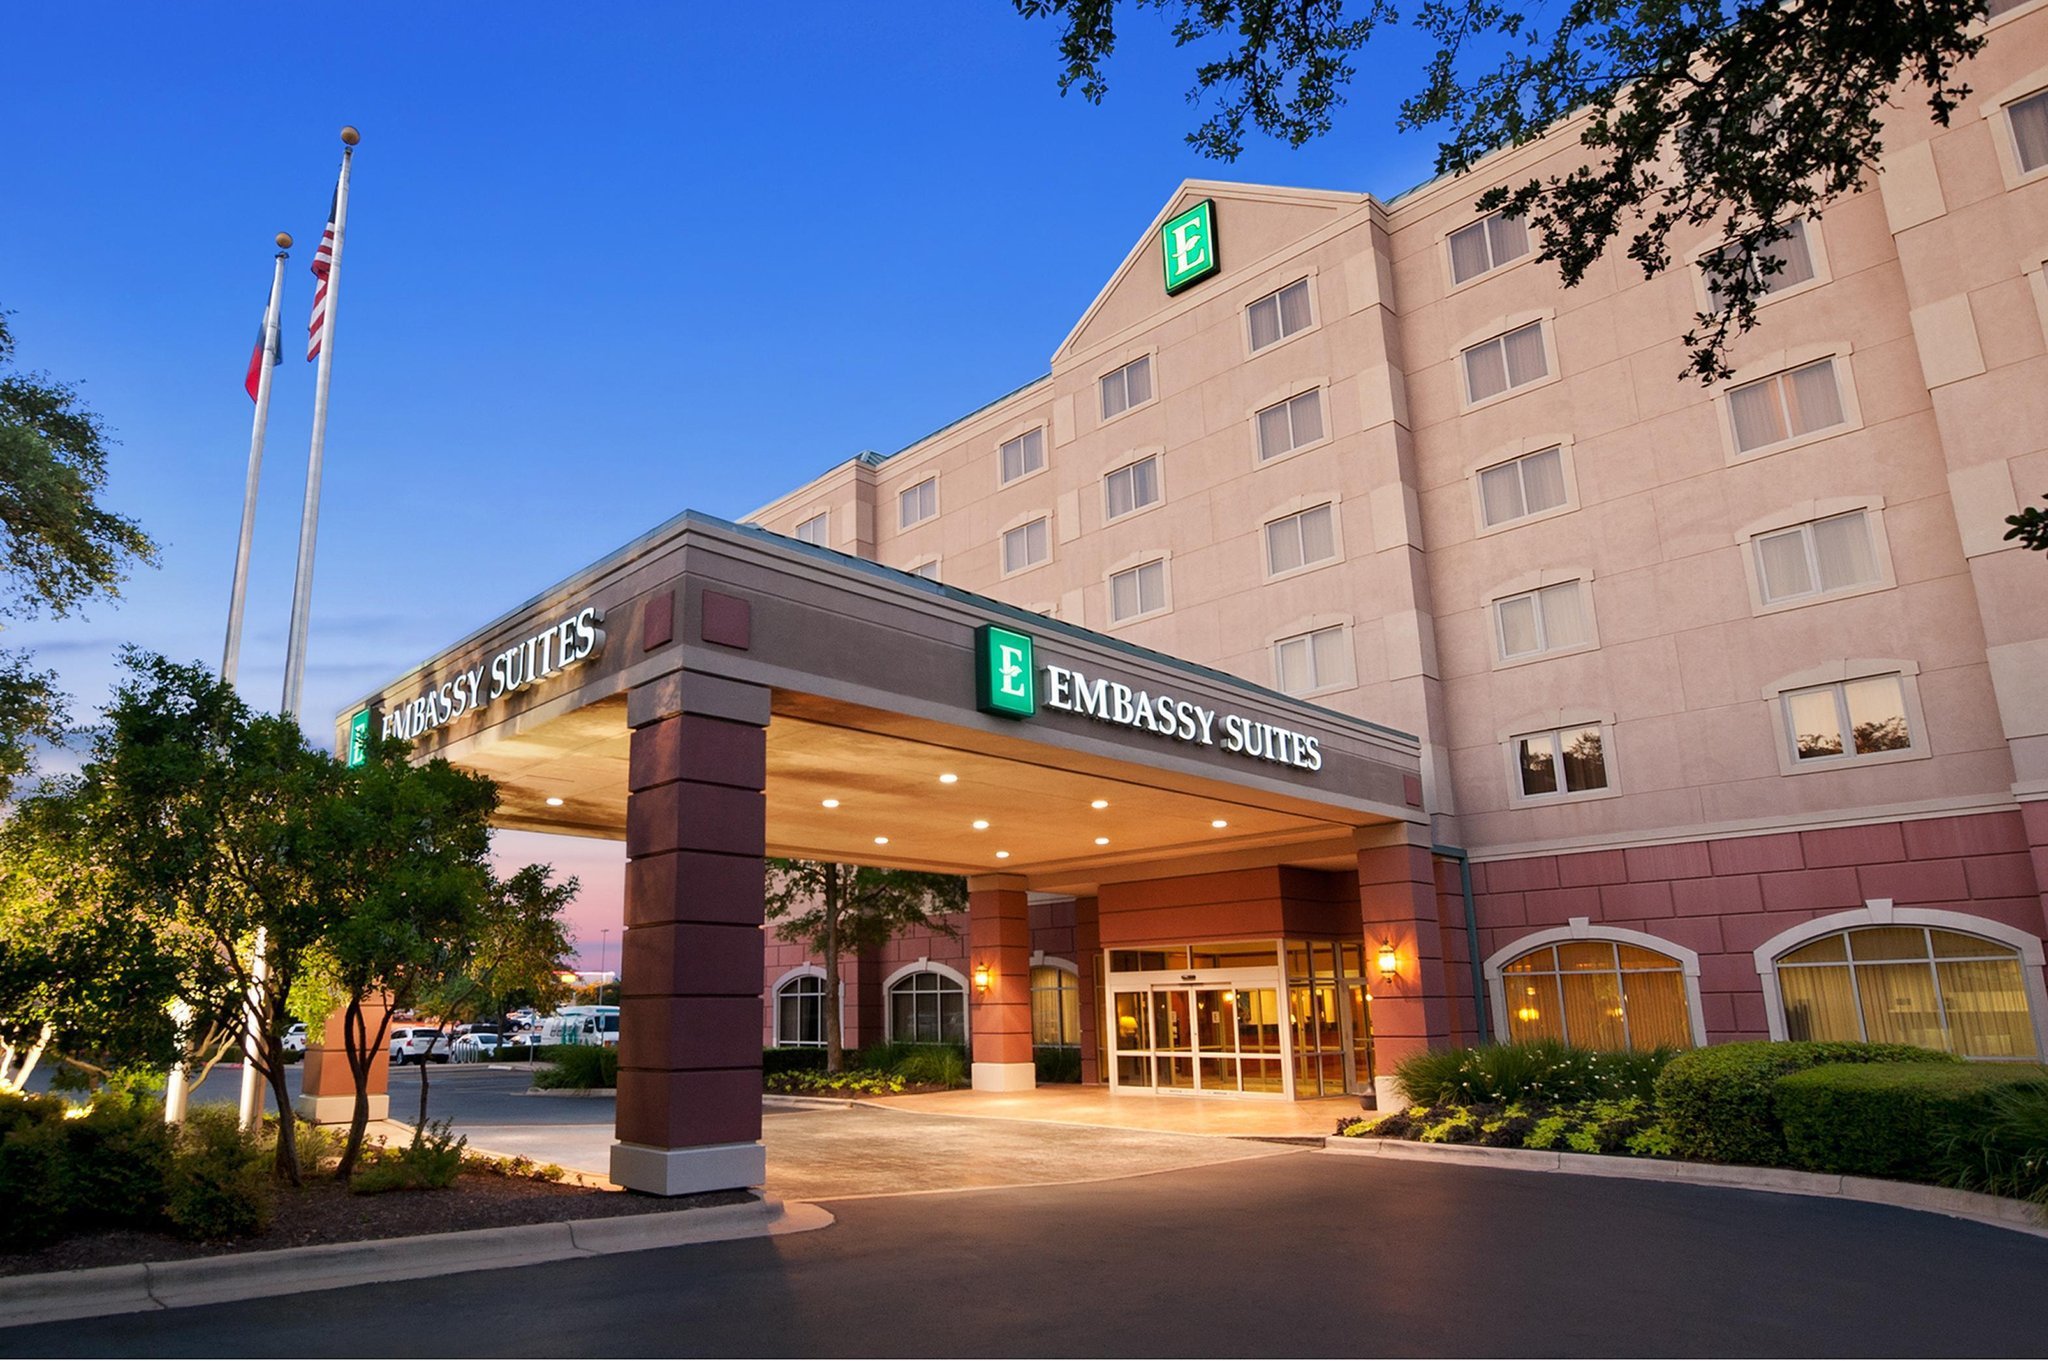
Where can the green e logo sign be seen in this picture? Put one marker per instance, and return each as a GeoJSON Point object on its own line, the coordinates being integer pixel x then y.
{"type": "Point", "coordinates": [359, 739]}
{"type": "Point", "coordinates": [1005, 682]}
{"type": "Point", "coordinates": [1187, 245]}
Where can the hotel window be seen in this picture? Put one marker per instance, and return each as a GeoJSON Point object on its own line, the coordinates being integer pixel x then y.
{"type": "Point", "coordinates": [1598, 994]}
{"type": "Point", "coordinates": [1308, 662]}
{"type": "Point", "coordinates": [1816, 558]}
{"type": "Point", "coordinates": [1139, 590]}
{"type": "Point", "coordinates": [1919, 985]}
{"type": "Point", "coordinates": [1552, 619]}
{"type": "Point", "coordinates": [1565, 761]}
{"type": "Point", "coordinates": [1522, 487]}
{"type": "Point", "coordinates": [928, 570]}
{"type": "Point", "coordinates": [1794, 265]}
{"type": "Point", "coordinates": [918, 503]}
{"type": "Point", "coordinates": [800, 1011]}
{"type": "Point", "coordinates": [927, 1008]}
{"type": "Point", "coordinates": [1027, 545]}
{"type": "Point", "coordinates": [1055, 1007]}
{"type": "Point", "coordinates": [1486, 245]}
{"type": "Point", "coordinates": [1506, 362]}
{"type": "Point", "coordinates": [1785, 406]}
{"type": "Point", "coordinates": [1287, 426]}
{"type": "Point", "coordinates": [2030, 131]}
{"type": "Point", "coordinates": [1132, 487]}
{"type": "Point", "coordinates": [1127, 387]}
{"type": "Point", "coordinates": [816, 529]}
{"type": "Point", "coordinates": [1997, 7]}
{"type": "Point", "coordinates": [1297, 541]}
{"type": "Point", "coordinates": [1279, 315]}
{"type": "Point", "coordinates": [1847, 720]}
{"type": "Point", "coordinates": [1024, 454]}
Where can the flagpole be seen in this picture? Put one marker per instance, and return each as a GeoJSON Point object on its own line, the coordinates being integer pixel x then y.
{"type": "Point", "coordinates": [309, 518]}
{"type": "Point", "coordinates": [231, 654]}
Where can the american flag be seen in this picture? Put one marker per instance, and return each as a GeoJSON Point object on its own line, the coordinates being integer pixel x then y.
{"type": "Point", "coordinates": [323, 261]}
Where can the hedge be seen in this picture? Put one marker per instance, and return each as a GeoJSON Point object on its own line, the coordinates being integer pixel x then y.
{"type": "Point", "coordinates": [1889, 1119]}
{"type": "Point", "coordinates": [1720, 1103]}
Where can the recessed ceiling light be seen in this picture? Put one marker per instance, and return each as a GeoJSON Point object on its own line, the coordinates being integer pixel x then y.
{"type": "Point", "coordinates": [949, 778]}
{"type": "Point", "coordinates": [554, 802]}
{"type": "Point", "coordinates": [1100, 803]}
{"type": "Point", "coordinates": [1218, 823]}
{"type": "Point", "coordinates": [1102, 841]}
{"type": "Point", "coordinates": [831, 803]}
{"type": "Point", "coordinates": [881, 841]}
{"type": "Point", "coordinates": [981, 824]}
{"type": "Point", "coordinates": [1002, 855]}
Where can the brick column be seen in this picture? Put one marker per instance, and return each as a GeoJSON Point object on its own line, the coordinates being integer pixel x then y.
{"type": "Point", "coordinates": [1411, 1012]}
{"type": "Point", "coordinates": [689, 1115]}
{"type": "Point", "coordinates": [999, 939]}
{"type": "Point", "coordinates": [327, 1090]}
{"type": "Point", "coordinates": [1088, 960]}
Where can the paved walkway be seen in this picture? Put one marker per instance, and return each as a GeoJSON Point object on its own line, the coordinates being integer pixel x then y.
{"type": "Point", "coordinates": [1238, 1118]}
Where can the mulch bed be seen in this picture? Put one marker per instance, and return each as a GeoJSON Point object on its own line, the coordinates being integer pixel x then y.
{"type": "Point", "coordinates": [323, 1211]}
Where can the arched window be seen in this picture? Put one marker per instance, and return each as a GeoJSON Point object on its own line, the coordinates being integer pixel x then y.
{"type": "Point", "coordinates": [1618, 990]}
{"type": "Point", "coordinates": [1055, 1005]}
{"type": "Point", "coordinates": [928, 1007]}
{"type": "Point", "coordinates": [800, 1010]}
{"type": "Point", "coordinates": [1906, 983]}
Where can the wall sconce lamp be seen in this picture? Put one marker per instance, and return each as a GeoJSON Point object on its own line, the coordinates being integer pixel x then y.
{"type": "Point", "coordinates": [982, 977]}
{"type": "Point", "coordinates": [1390, 961]}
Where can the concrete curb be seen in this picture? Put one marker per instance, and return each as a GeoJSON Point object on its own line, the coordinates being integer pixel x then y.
{"type": "Point", "coordinates": [59, 1295]}
{"type": "Point", "coordinates": [606, 1092]}
{"type": "Point", "coordinates": [2017, 1215]}
{"type": "Point", "coordinates": [808, 1103]}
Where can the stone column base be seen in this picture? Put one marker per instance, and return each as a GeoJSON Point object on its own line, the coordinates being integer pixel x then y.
{"type": "Point", "coordinates": [339, 1110]}
{"type": "Point", "coordinates": [1005, 1077]}
{"type": "Point", "coordinates": [686, 1171]}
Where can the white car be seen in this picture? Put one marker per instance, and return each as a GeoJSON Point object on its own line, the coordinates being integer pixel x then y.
{"type": "Point", "coordinates": [418, 1044]}
{"type": "Point", "coordinates": [479, 1046]}
{"type": "Point", "coordinates": [294, 1041]}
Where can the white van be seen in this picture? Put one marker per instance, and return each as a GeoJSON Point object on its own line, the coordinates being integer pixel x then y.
{"type": "Point", "coordinates": [581, 1025]}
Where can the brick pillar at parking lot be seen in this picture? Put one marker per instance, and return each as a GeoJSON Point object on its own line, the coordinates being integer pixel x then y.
{"type": "Point", "coordinates": [1411, 1011]}
{"type": "Point", "coordinates": [999, 940]}
{"type": "Point", "coordinates": [690, 1016]}
{"type": "Point", "coordinates": [327, 1090]}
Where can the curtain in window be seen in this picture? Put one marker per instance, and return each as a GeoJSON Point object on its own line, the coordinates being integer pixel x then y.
{"type": "Point", "coordinates": [1526, 361]}
{"type": "Point", "coordinates": [1820, 1004]}
{"type": "Point", "coordinates": [1592, 1007]}
{"type": "Point", "coordinates": [1564, 616]}
{"type": "Point", "coordinates": [1486, 373]}
{"type": "Point", "coordinates": [1509, 237]}
{"type": "Point", "coordinates": [1293, 308]}
{"type": "Point", "coordinates": [1899, 1006]}
{"type": "Point", "coordinates": [1842, 548]}
{"type": "Point", "coordinates": [1783, 560]}
{"type": "Point", "coordinates": [1317, 539]}
{"type": "Point", "coordinates": [1517, 626]}
{"type": "Point", "coordinates": [2030, 130]}
{"type": "Point", "coordinates": [1986, 1000]}
{"type": "Point", "coordinates": [1307, 411]}
{"type": "Point", "coordinates": [1500, 494]}
{"type": "Point", "coordinates": [1332, 653]}
{"type": "Point", "coordinates": [1543, 480]}
{"type": "Point", "coordinates": [1273, 437]}
{"type": "Point", "coordinates": [1534, 1011]}
{"type": "Point", "coordinates": [1758, 418]}
{"type": "Point", "coordinates": [1798, 258]}
{"type": "Point", "coordinates": [1814, 400]}
{"type": "Point", "coordinates": [1468, 253]}
{"type": "Point", "coordinates": [1296, 666]}
{"type": "Point", "coordinates": [1265, 315]}
{"type": "Point", "coordinates": [1657, 1012]}
{"type": "Point", "coordinates": [1138, 381]}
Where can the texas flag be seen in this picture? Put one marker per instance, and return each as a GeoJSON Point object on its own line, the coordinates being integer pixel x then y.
{"type": "Point", "coordinates": [256, 359]}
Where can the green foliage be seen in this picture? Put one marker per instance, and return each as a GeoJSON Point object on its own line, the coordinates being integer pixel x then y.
{"type": "Point", "coordinates": [1720, 1103]}
{"type": "Point", "coordinates": [2006, 1152]}
{"type": "Point", "coordinates": [1057, 1063]}
{"type": "Point", "coordinates": [920, 1065]}
{"type": "Point", "coordinates": [520, 1168]}
{"type": "Point", "coordinates": [852, 1082]}
{"type": "Point", "coordinates": [1890, 1119]}
{"type": "Point", "coordinates": [1537, 1071]}
{"type": "Point", "coordinates": [119, 1156]}
{"type": "Point", "coordinates": [792, 1058]}
{"type": "Point", "coordinates": [2030, 527]}
{"type": "Point", "coordinates": [430, 1162]}
{"type": "Point", "coordinates": [578, 1067]}
{"type": "Point", "coordinates": [217, 1186]}
{"type": "Point", "coordinates": [35, 1184]}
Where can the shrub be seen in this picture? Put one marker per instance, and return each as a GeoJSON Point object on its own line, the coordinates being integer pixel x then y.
{"type": "Point", "coordinates": [1595, 1126]}
{"type": "Point", "coordinates": [1720, 1103]}
{"type": "Point", "coordinates": [2006, 1153]}
{"type": "Point", "coordinates": [852, 1082]}
{"type": "Point", "coordinates": [579, 1067]}
{"type": "Point", "coordinates": [219, 1181]}
{"type": "Point", "coordinates": [34, 1180]}
{"type": "Point", "coordinates": [1537, 1071]}
{"type": "Point", "coordinates": [792, 1059]}
{"type": "Point", "coordinates": [1889, 1119]}
{"type": "Point", "coordinates": [924, 1065]}
{"type": "Point", "coordinates": [431, 1161]}
{"type": "Point", "coordinates": [1057, 1063]}
{"type": "Point", "coordinates": [119, 1162]}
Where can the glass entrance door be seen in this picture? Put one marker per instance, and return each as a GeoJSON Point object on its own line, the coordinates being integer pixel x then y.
{"type": "Point", "coordinates": [1209, 1038]}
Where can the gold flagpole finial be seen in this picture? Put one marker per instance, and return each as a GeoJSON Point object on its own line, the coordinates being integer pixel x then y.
{"type": "Point", "coordinates": [349, 137]}
{"type": "Point", "coordinates": [284, 240]}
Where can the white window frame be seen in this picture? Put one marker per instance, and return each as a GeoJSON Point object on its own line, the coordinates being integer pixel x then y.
{"type": "Point", "coordinates": [1295, 509]}
{"type": "Point", "coordinates": [1882, 912]}
{"type": "Point", "coordinates": [1783, 362]}
{"type": "Point", "coordinates": [932, 966]}
{"type": "Point", "coordinates": [1816, 251]}
{"type": "Point", "coordinates": [1343, 627]}
{"type": "Point", "coordinates": [775, 1004]}
{"type": "Point", "coordinates": [1805, 514]}
{"type": "Point", "coordinates": [926, 569]}
{"type": "Point", "coordinates": [1044, 454]}
{"type": "Point", "coordinates": [1158, 462]}
{"type": "Point", "coordinates": [1315, 316]}
{"type": "Point", "coordinates": [1550, 725]}
{"type": "Point", "coordinates": [823, 519]}
{"type": "Point", "coordinates": [1138, 563]}
{"type": "Point", "coordinates": [930, 483]}
{"type": "Point", "coordinates": [1020, 522]}
{"type": "Point", "coordinates": [1515, 453]}
{"type": "Point", "coordinates": [1580, 928]}
{"type": "Point", "coordinates": [1500, 328]}
{"type": "Point", "coordinates": [1529, 586]}
{"type": "Point", "coordinates": [1151, 360]}
{"type": "Point", "coordinates": [1494, 267]}
{"type": "Point", "coordinates": [1282, 397]}
{"type": "Point", "coordinates": [1997, 112]}
{"type": "Point", "coordinates": [1777, 693]}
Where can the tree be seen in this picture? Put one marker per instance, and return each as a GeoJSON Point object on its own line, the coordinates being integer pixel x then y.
{"type": "Point", "coordinates": [838, 909]}
{"type": "Point", "coordinates": [2030, 527]}
{"type": "Point", "coordinates": [1746, 116]}
{"type": "Point", "coordinates": [59, 547]}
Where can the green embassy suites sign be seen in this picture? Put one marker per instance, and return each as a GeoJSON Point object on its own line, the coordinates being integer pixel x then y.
{"type": "Point", "coordinates": [359, 739]}
{"type": "Point", "coordinates": [1005, 682]}
{"type": "Point", "coordinates": [1187, 246]}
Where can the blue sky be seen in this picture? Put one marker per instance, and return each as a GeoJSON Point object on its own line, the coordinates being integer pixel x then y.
{"type": "Point", "coordinates": [602, 265]}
